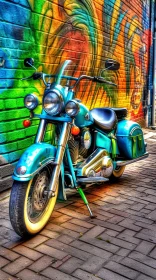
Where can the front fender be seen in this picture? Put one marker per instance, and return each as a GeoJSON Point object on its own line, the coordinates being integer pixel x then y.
{"type": "Point", "coordinates": [33, 159]}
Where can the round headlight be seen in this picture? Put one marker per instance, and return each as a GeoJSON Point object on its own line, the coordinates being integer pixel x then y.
{"type": "Point", "coordinates": [53, 103]}
{"type": "Point", "coordinates": [31, 101]}
{"type": "Point", "coordinates": [72, 108]}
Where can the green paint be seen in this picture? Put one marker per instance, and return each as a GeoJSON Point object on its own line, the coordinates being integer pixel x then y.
{"type": "Point", "coordinates": [81, 193]}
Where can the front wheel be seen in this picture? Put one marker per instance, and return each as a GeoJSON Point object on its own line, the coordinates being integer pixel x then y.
{"type": "Point", "coordinates": [30, 208]}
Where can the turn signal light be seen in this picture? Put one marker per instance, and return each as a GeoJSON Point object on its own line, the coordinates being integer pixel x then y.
{"type": "Point", "coordinates": [75, 130]}
{"type": "Point", "coordinates": [26, 123]}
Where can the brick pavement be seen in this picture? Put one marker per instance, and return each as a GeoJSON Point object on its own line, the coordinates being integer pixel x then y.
{"type": "Point", "coordinates": [119, 244]}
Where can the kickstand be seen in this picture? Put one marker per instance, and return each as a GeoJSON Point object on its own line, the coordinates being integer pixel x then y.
{"type": "Point", "coordinates": [81, 193]}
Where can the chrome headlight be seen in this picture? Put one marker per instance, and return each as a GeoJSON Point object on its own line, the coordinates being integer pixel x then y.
{"type": "Point", "coordinates": [53, 102]}
{"type": "Point", "coordinates": [72, 108]}
{"type": "Point", "coordinates": [31, 101]}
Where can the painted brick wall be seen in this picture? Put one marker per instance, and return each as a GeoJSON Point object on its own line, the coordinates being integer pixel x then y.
{"type": "Point", "coordinates": [85, 31]}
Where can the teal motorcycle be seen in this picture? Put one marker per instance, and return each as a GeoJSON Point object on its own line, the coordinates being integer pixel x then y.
{"type": "Point", "coordinates": [89, 147]}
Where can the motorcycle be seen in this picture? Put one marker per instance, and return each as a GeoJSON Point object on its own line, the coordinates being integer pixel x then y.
{"type": "Point", "coordinates": [89, 147]}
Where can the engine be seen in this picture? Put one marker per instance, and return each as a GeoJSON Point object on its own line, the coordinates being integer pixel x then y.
{"type": "Point", "coordinates": [98, 164]}
{"type": "Point", "coordinates": [80, 145]}
{"type": "Point", "coordinates": [93, 163]}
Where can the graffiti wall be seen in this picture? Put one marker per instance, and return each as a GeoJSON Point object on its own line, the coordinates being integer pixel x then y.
{"type": "Point", "coordinates": [85, 31]}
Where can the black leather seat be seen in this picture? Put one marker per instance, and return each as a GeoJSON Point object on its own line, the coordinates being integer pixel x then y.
{"type": "Point", "coordinates": [105, 118]}
{"type": "Point", "coordinates": [120, 112]}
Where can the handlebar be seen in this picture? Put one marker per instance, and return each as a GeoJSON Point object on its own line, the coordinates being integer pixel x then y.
{"type": "Point", "coordinates": [94, 79]}
{"type": "Point", "coordinates": [34, 76]}
{"type": "Point", "coordinates": [41, 75]}
{"type": "Point", "coordinates": [101, 80]}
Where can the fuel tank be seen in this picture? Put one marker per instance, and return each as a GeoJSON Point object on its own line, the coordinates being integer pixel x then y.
{"type": "Point", "coordinates": [84, 117]}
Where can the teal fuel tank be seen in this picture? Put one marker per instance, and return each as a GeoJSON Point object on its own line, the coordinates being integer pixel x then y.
{"type": "Point", "coordinates": [84, 117]}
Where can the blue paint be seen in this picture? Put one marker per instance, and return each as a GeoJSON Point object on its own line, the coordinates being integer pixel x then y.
{"type": "Point", "coordinates": [81, 120]}
{"type": "Point", "coordinates": [71, 166]}
{"type": "Point", "coordinates": [103, 141]}
{"type": "Point", "coordinates": [127, 138]}
{"type": "Point", "coordinates": [33, 158]}
{"type": "Point", "coordinates": [14, 13]}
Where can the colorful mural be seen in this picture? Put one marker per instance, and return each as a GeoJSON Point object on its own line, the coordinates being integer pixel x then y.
{"type": "Point", "coordinates": [88, 32]}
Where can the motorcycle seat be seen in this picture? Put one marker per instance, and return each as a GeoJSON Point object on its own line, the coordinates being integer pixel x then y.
{"type": "Point", "coordinates": [120, 112]}
{"type": "Point", "coordinates": [104, 118]}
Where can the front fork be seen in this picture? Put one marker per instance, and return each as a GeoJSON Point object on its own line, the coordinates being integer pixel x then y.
{"type": "Point", "coordinates": [64, 136]}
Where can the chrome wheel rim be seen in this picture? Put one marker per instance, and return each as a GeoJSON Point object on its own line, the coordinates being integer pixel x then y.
{"type": "Point", "coordinates": [38, 196]}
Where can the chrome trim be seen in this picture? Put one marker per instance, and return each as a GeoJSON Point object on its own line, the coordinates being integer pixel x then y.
{"type": "Point", "coordinates": [94, 161]}
{"type": "Point", "coordinates": [36, 101]}
{"type": "Point", "coordinates": [135, 128]}
{"type": "Point", "coordinates": [126, 162]}
{"type": "Point", "coordinates": [92, 180]}
{"type": "Point", "coordinates": [61, 104]}
{"type": "Point", "coordinates": [59, 157]}
{"type": "Point", "coordinates": [78, 107]}
{"type": "Point", "coordinates": [51, 160]}
{"type": "Point", "coordinates": [41, 131]}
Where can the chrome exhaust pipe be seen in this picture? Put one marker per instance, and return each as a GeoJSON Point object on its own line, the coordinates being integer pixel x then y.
{"type": "Point", "coordinates": [126, 162]}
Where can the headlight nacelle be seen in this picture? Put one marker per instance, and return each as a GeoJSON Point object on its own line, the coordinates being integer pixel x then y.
{"type": "Point", "coordinates": [72, 108]}
{"type": "Point", "coordinates": [31, 101]}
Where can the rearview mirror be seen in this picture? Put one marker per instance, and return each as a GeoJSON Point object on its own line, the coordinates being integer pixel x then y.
{"type": "Point", "coordinates": [28, 62]}
{"type": "Point", "coordinates": [112, 64]}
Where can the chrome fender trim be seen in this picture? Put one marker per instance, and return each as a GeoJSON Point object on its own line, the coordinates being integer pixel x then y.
{"type": "Point", "coordinates": [31, 175]}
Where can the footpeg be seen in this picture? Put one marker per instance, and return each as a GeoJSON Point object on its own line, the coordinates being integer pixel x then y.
{"type": "Point", "coordinates": [92, 180]}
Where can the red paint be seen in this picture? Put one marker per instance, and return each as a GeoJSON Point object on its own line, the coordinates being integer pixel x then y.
{"type": "Point", "coordinates": [26, 123]}
{"type": "Point", "coordinates": [75, 130]}
{"type": "Point", "coordinates": [76, 44]}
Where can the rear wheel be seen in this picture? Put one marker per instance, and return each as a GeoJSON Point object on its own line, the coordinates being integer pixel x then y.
{"type": "Point", "coordinates": [117, 173]}
{"type": "Point", "coordinates": [30, 207]}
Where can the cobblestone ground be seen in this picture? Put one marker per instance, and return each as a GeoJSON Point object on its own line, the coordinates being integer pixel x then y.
{"type": "Point", "coordinates": [120, 243]}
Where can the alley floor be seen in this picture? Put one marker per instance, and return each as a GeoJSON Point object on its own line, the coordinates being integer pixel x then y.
{"type": "Point", "coordinates": [120, 243]}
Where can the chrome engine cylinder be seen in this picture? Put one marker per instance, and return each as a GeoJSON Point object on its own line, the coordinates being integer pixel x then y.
{"type": "Point", "coordinates": [107, 167]}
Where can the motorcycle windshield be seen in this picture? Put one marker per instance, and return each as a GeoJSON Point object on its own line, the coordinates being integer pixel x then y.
{"type": "Point", "coordinates": [65, 70]}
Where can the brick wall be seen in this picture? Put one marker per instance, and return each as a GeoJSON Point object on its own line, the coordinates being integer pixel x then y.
{"type": "Point", "coordinates": [85, 31]}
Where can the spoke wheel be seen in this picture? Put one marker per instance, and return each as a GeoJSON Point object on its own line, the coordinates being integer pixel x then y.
{"type": "Point", "coordinates": [37, 197]}
{"type": "Point", "coordinates": [30, 207]}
